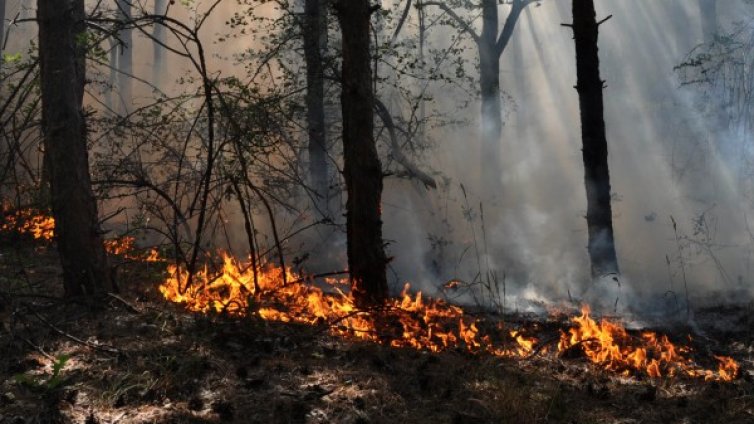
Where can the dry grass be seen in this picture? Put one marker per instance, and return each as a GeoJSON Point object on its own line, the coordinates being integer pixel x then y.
{"type": "Point", "coordinates": [175, 367]}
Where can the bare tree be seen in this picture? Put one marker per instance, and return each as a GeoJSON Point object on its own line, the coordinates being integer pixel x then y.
{"type": "Point", "coordinates": [362, 170]}
{"type": "Point", "coordinates": [314, 28]}
{"type": "Point", "coordinates": [599, 215]}
{"type": "Point", "coordinates": [62, 49]}
{"type": "Point", "coordinates": [2, 28]}
{"type": "Point", "coordinates": [708, 12]}
{"type": "Point", "coordinates": [125, 56]}
{"type": "Point", "coordinates": [490, 44]}
{"type": "Point", "coordinates": [158, 61]}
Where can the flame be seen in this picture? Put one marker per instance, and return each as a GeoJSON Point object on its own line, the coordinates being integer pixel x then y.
{"type": "Point", "coordinates": [29, 221]}
{"type": "Point", "coordinates": [609, 345]}
{"type": "Point", "coordinates": [42, 227]}
{"type": "Point", "coordinates": [408, 321]}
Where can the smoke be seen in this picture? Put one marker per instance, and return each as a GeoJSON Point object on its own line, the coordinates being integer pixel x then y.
{"type": "Point", "coordinates": [661, 167]}
{"type": "Point", "coordinates": [680, 212]}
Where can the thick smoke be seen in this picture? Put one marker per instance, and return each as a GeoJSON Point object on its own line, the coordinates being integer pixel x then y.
{"type": "Point", "coordinates": [680, 213]}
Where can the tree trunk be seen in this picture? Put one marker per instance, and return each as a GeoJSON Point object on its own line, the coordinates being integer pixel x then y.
{"type": "Point", "coordinates": [315, 42]}
{"type": "Point", "coordinates": [61, 54]}
{"type": "Point", "coordinates": [492, 113]}
{"type": "Point", "coordinates": [125, 57]}
{"type": "Point", "coordinates": [2, 28]}
{"type": "Point", "coordinates": [158, 62]}
{"type": "Point", "coordinates": [599, 214]}
{"type": "Point", "coordinates": [361, 168]}
{"type": "Point", "coordinates": [708, 12]}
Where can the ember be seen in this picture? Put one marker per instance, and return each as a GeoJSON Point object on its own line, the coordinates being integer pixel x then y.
{"type": "Point", "coordinates": [412, 321]}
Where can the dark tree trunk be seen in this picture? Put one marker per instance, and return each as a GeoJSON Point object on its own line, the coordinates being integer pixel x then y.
{"type": "Point", "coordinates": [2, 28]}
{"type": "Point", "coordinates": [158, 62]}
{"type": "Point", "coordinates": [61, 54]}
{"type": "Point", "coordinates": [708, 12]}
{"type": "Point", "coordinates": [315, 42]}
{"type": "Point", "coordinates": [125, 57]}
{"type": "Point", "coordinates": [492, 108]}
{"type": "Point", "coordinates": [361, 168]}
{"type": "Point", "coordinates": [599, 214]}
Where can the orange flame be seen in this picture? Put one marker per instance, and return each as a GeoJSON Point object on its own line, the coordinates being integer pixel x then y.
{"type": "Point", "coordinates": [42, 227]}
{"type": "Point", "coordinates": [29, 221]}
{"type": "Point", "coordinates": [409, 321]}
{"type": "Point", "coordinates": [609, 345]}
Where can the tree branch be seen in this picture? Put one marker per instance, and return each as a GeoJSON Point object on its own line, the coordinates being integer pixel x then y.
{"type": "Point", "coordinates": [463, 24]}
{"type": "Point", "coordinates": [510, 24]}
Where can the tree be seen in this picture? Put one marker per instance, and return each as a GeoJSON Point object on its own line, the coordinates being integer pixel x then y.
{"type": "Point", "coordinates": [158, 62]}
{"type": "Point", "coordinates": [490, 44]}
{"type": "Point", "coordinates": [62, 48]}
{"type": "Point", "coordinates": [599, 215]}
{"type": "Point", "coordinates": [362, 170]}
{"type": "Point", "coordinates": [2, 28]}
{"type": "Point", "coordinates": [125, 56]}
{"type": "Point", "coordinates": [708, 12]}
{"type": "Point", "coordinates": [314, 29]}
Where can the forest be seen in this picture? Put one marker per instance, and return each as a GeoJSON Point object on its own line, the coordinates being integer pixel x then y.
{"type": "Point", "coordinates": [362, 211]}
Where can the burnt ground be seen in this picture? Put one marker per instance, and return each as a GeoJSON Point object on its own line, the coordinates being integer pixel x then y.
{"type": "Point", "coordinates": [140, 360]}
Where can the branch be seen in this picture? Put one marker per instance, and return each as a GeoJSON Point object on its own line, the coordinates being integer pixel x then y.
{"type": "Point", "coordinates": [412, 169]}
{"type": "Point", "coordinates": [463, 24]}
{"type": "Point", "coordinates": [510, 24]}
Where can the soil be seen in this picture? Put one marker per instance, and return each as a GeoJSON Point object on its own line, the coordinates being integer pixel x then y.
{"type": "Point", "coordinates": [134, 358]}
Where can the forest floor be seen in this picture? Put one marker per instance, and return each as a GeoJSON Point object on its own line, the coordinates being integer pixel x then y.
{"type": "Point", "coordinates": [141, 360]}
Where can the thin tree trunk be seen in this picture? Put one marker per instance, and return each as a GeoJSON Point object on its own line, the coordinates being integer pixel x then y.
{"type": "Point", "coordinates": [158, 61]}
{"type": "Point", "coordinates": [113, 78]}
{"type": "Point", "coordinates": [2, 29]}
{"type": "Point", "coordinates": [315, 42]}
{"type": "Point", "coordinates": [492, 108]}
{"type": "Point", "coordinates": [599, 214]}
{"type": "Point", "coordinates": [61, 53]}
{"type": "Point", "coordinates": [125, 57]}
{"type": "Point", "coordinates": [708, 12]}
{"type": "Point", "coordinates": [361, 169]}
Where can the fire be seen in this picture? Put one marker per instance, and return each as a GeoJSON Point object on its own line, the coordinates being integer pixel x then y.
{"type": "Point", "coordinates": [29, 221]}
{"type": "Point", "coordinates": [416, 322]}
{"type": "Point", "coordinates": [609, 345]}
{"type": "Point", "coordinates": [42, 227]}
{"type": "Point", "coordinates": [126, 247]}
{"type": "Point", "coordinates": [409, 321]}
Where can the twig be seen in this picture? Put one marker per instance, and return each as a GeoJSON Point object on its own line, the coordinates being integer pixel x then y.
{"type": "Point", "coordinates": [128, 306]}
{"type": "Point", "coordinates": [73, 338]}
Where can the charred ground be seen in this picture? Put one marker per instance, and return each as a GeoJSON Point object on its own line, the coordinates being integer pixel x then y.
{"type": "Point", "coordinates": [142, 360]}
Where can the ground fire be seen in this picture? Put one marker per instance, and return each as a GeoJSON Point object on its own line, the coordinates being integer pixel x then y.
{"type": "Point", "coordinates": [41, 226]}
{"type": "Point", "coordinates": [413, 321]}
{"type": "Point", "coordinates": [28, 221]}
{"type": "Point", "coordinates": [408, 321]}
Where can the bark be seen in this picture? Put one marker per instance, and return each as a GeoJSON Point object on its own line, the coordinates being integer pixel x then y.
{"type": "Point", "coordinates": [158, 61]}
{"type": "Point", "coordinates": [2, 28]}
{"type": "Point", "coordinates": [708, 12]}
{"type": "Point", "coordinates": [113, 78]}
{"type": "Point", "coordinates": [599, 215]}
{"type": "Point", "coordinates": [315, 42]}
{"type": "Point", "coordinates": [125, 57]}
{"type": "Point", "coordinates": [362, 170]}
{"type": "Point", "coordinates": [491, 44]}
{"type": "Point", "coordinates": [61, 54]}
{"type": "Point", "coordinates": [492, 107]}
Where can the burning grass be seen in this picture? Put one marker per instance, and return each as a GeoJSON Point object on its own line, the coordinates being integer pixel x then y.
{"type": "Point", "coordinates": [408, 321]}
{"type": "Point", "coordinates": [41, 226]}
{"type": "Point", "coordinates": [28, 221]}
{"type": "Point", "coordinates": [412, 321]}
